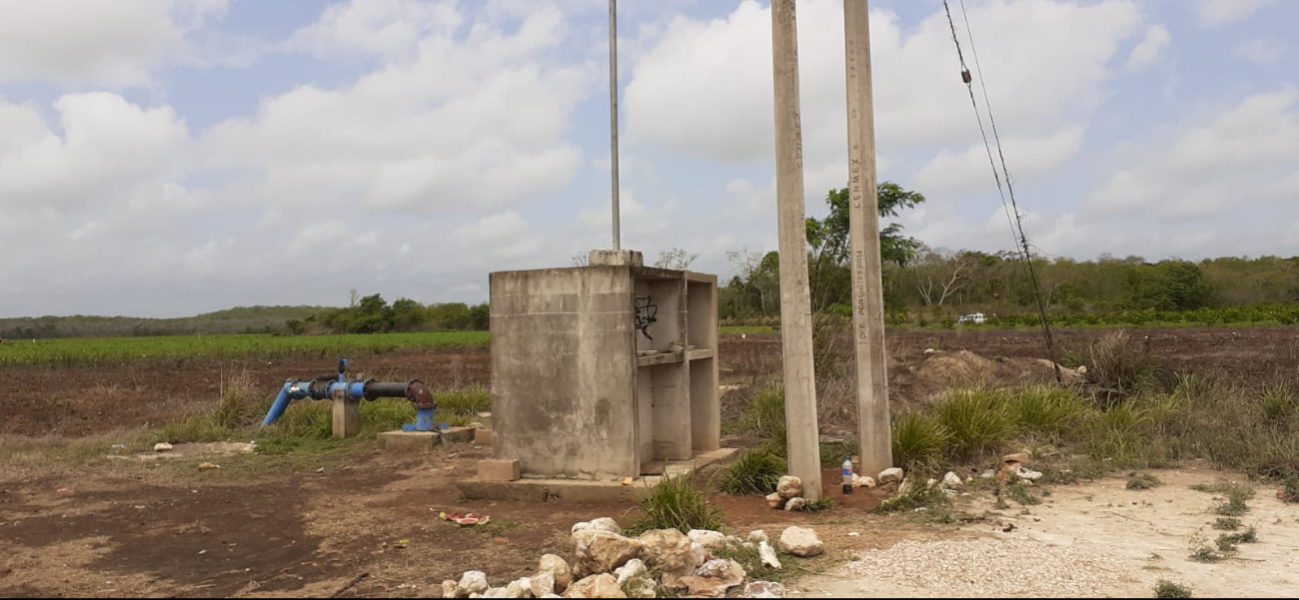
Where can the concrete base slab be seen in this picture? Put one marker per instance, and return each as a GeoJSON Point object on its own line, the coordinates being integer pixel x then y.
{"type": "Point", "coordinates": [420, 440]}
{"type": "Point", "coordinates": [576, 491]}
{"type": "Point", "coordinates": [407, 440]}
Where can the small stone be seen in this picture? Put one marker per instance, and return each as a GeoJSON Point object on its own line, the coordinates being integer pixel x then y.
{"type": "Point", "coordinates": [596, 586]}
{"type": "Point", "coordinates": [795, 504]}
{"type": "Point", "coordinates": [733, 542]}
{"type": "Point", "coordinates": [862, 482]}
{"type": "Point", "coordinates": [758, 535]}
{"type": "Point", "coordinates": [542, 584]}
{"type": "Point", "coordinates": [989, 474]}
{"type": "Point", "coordinates": [710, 540]}
{"type": "Point", "coordinates": [891, 475]}
{"type": "Point", "coordinates": [714, 578]}
{"type": "Point", "coordinates": [207, 466]}
{"type": "Point", "coordinates": [776, 501]}
{"type": "Point", "coordinates": [599, 551]}
{"type": "Point", "coordinates": [764, 589]}
{"type": "Point", "coordinates": [559, 570]}
{"type": "Point", "coordinates": [801, 541]}
{"type": "Point", "coordinates": [601, 524]}
{"type": "Point", "coordinates": [904, 487]}
{"type": "Point", "coordinates": [952, 480]}
{"type": "Point", "coordinates": [448, 589]}
{"type": "Point", "coordinates": [519, 588]}
{"type": "Point", "coordinates": [1029, 475]}
{"type": "Point", "coordinates": [495, 593]}
{"type": "Point", "coordinates": [768, 555]}
{"type": "Point", "coordinates": [640, 587]}
{"type": "Point", "coordinates": [749, 546]}
{"type": "Point", "coordinates": [633, 569]}
{"type": "Point", "coordinates": [162, 447]}
{"type": "Point", "coordinates": [472, 582]}
{"type": "Point", "coordinates": [931, 483]}
{"type": "Point", "coordinates": [669, 551]}
{"type": "Point", "coordinates": [789, 487]}
{"type": "Point", "coordinates": [1020, 457]}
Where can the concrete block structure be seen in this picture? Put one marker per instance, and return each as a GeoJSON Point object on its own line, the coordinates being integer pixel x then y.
{"type": "Point", "coordinates": [605, 371]}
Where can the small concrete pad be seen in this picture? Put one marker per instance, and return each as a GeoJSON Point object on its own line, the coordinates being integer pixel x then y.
{"type": "Point", "coordinates": [498, 469]}
{"type": "Point", "coordinates": [407, 440]}
{"type": "Point", "coordinates": [575, 491]}
{"type": "Point", "coordinates": [419, 440]}
{"type": "Point", "coordinates": [483, 437]}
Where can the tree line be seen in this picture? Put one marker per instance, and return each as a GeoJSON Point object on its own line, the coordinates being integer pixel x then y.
{"type": "Point", "coordinates": [373, 314]}
{"type": "Point", "coordinates": [924, 285]}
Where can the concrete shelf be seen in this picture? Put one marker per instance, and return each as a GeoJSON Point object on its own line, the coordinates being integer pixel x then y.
{"type": "Point", "coordinates": [659, 359]}
{"type": "Point", "coordinates": [699, 353]}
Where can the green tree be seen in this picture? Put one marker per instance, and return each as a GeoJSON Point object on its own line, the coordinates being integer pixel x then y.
{"type": "Point", "coordinates": [829, 274]}
{"type": "Point", "coordinates": [408, 315]}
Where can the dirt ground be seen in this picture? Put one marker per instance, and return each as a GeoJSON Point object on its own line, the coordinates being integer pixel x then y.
{"type": "Point", "coordinates": [306, 526]}
{"type": "Point", "coordinates": [1089, 540]}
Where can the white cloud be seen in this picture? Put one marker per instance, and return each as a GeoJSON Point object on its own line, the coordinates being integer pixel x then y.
{"type": "Point", "coordinates": [1151, 49]}
{"type": "Point", "coordinates": [1261, 50]}
{"type": "Point", "coordinates": [389, 28]}
{"type": "Point", "coordinates": [115, 44]}
{"type": "Point", "coordinates": [1030, 157]}
{"type": "Point", "coordinates": [705, 87]}
{"type": "Point", "coordinates": [505, 235]}
{"type": "Point", "coordinates": [1238, 159]}
{"type": "Point", "coordinates": [105, 149]}
{"type": "Point", "coordinates": [446, 130]}
{"type": "Point", "coordinates": [1214, 13]}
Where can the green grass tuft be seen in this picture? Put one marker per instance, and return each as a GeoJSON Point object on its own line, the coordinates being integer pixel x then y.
{"type": "Point", "coordinates": [918, 439]}
{"type": "Point", "coordinates": [1226, 524]}
{"type": "Point", "coordinates": [676, 503]}
{"type": "Point", "coordinates": [756, 471]}
{"type": "Point", "coordinates": [1047, 411]}
{"type": "Point", "coordinates": [978, 422]}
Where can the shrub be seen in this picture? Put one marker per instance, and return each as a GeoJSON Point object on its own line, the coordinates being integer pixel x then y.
{"type": "Point", "coordinates": [917, 439]}
{"type": "Point", "coordinates": [1119, 363]}
{"type": "Point", "coordinates": [756, 471]}
{"type": "Point", "coordinates": [676, 503]}
{"type": "Point", "coordinates": [1144, 481]}
{"type": "Point", "coordinates": [977, 422]}
{"type": "Point", "coordinates": [1167, 589]}
{"type": "Point", "coordinates": [1227, 524]}
{"type": "Point", "coordinates": [1290, 490]}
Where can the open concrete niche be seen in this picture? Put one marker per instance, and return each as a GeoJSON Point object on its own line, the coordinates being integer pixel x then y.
{"type": "Point", "coordinates": [603, 372]}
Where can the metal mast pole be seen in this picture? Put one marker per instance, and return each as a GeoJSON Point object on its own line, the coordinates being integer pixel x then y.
{"type": "Point", "coordinates": [613, 118]}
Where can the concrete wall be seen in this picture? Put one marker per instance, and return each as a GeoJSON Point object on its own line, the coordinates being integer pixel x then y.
{"type": "Point", "coordinates": [563, 367]}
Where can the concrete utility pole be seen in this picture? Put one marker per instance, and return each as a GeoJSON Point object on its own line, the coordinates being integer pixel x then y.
{"type": "Point", "coordinates": [873, 424]}
{"type": "Point", "coordinates": [795, 299]}
{"type": "Point", "coordinates": [613, 118]}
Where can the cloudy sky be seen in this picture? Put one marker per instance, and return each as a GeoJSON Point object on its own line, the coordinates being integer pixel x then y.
{"type": "Point", "coordinates": [169, 157]}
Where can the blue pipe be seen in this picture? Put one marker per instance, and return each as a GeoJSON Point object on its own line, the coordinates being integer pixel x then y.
{"type": "Point", "coordinates": [325, 389]}
{"type": "Point", "coordinates": [281, 404]}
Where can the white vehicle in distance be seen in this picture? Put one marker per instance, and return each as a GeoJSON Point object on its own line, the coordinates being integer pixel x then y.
{"type": "Point", "coordinates": [976, 318]}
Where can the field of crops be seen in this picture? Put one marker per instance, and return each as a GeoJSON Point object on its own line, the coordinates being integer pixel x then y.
{"type": "Point", "coordinates": [73, 351]}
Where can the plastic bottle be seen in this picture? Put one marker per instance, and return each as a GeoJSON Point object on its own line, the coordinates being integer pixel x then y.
{"type": "Point", "coordinates": [847, 474]}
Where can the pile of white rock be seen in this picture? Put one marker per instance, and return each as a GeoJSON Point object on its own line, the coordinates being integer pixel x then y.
{"type": "Point", "coordinates": [608, 564]}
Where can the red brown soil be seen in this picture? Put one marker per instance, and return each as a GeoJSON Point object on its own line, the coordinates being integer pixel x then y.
{"type": "Point", "coordinates": [286, 530]}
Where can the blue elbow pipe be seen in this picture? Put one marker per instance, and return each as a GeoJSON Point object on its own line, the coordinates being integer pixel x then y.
{"type": "Point", "coordinates": [281, 404]}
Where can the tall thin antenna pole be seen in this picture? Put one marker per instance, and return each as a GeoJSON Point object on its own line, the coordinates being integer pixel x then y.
{"type": "Point", "coordinates": [613, 118]}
